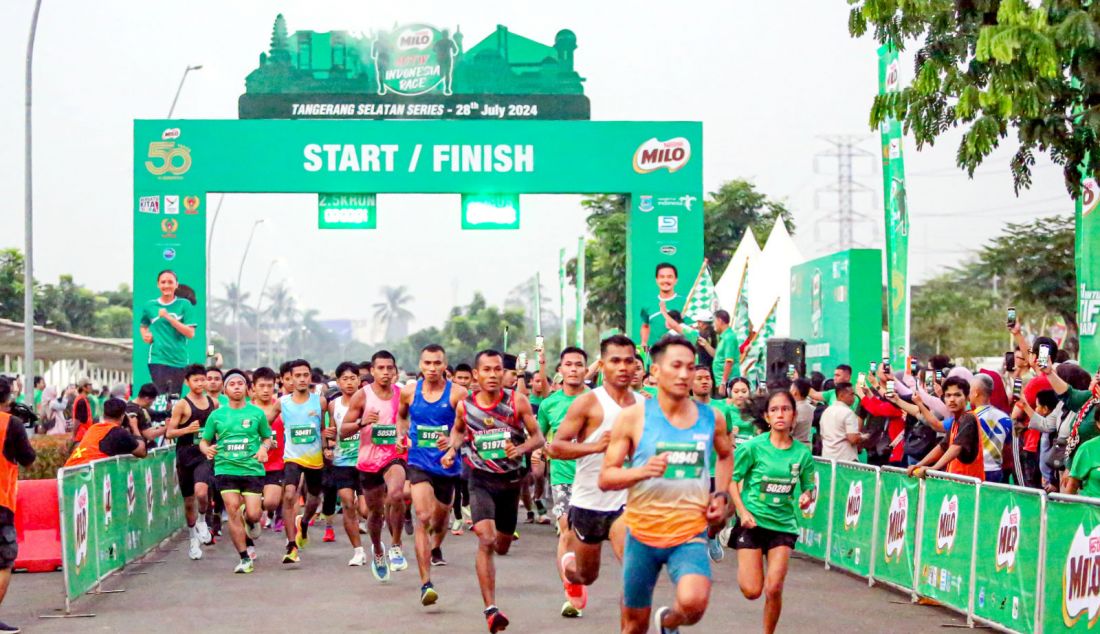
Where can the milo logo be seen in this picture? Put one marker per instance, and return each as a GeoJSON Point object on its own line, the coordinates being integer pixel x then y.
{"type": "Point", "coordinates": [653, 155]}
{"type": "Point", "coordinates": [419, 39]}
{"type": "Point", "coordinates": [1081, 578]}
{"type": "Point", "coordinates": [948, 524]}
{"type": "Point", "coordinates": [854, 504]}
{"type": "Point", "coordinates": [131, 493]}
{"type": "Point", "coordinates": [897, 518]}
{"type": "Point", "coordinates": [80, 526]}
{"type": "Point", "coordinates": [149, 493]}
{"type": "Point", "coordinates": [107, 500]}
{"type": "Point", "coordinates": [163, 483]}
{"type": "Point", "coordinates": [1090, 196]}
{"type": "Point", "coordinates": [809, 511]}
{"type": "Point", "coordinates": [1008, 538]}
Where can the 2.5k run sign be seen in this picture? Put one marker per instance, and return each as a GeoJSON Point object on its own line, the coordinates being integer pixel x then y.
{"type": "Point", "coordinates": [498, 158]}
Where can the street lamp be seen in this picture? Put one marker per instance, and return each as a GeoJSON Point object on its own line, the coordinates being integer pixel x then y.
{"type": "Point", "coordinates": [237, 299]}
{"type": "Point", "coordinates": [210, 252]}
{"type": "Point", "coordinates": [259, 302]}
{"type": "Point", "coordinates": [28, 228]}
{"type": "Point", "coordinates": [182, 79]}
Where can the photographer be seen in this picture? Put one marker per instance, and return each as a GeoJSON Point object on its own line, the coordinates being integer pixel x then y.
{"type": "Point", "coordinates": [138, 411]}
{"type": "Point", "coordinates": [17, 450]}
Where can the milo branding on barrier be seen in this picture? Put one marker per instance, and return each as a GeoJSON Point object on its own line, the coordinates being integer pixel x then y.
{"type": "Point", "coordinates": [107, 499]}
{"type": "Point", "coordinates": [163, 483]}
{"type": "Point", "coordinates": [948, 524]}
{"type": "Point", "coordinates": [896, 521]}
{"type": "Point", "coordinates": [149, 493]}
{"type": "Point", "coordinates": [853, 506]}
{"type": "Point", "coordinates": [80, 523]}
{"type": "Point", "coordinates": [811, 509]}
{"type": "Point", "coordinates": [131, 493]}
{"type": "Point", "coordinates": [653, 155]}
{"type": "Point", "coordinates": [1081, 578]}
{"type": "Point", "coordinates": [1008, 539]}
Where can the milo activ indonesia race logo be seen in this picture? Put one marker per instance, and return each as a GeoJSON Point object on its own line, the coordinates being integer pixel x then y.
{"type": "Point", "coordinates": [414, 59]}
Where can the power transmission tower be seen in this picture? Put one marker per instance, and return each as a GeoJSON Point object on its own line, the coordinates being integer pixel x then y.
{"type": "Point", "coordinates": [845, 151]}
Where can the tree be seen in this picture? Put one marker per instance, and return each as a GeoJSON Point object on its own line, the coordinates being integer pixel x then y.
{"type": "Point", "coordinates": [11, 284]}
{"type": "Point", "coordinates": [468, 330]}
{"type": "Point", "coordinates": [952, 315]}
{"type": "Point", "coordinates": [986, 65]}
{"type": "Point", "coordinates": [392, 311]}
{"type": "Point", "coordinates": [114, 322]}
{"type": "Point", "coordinates": [737, 205]}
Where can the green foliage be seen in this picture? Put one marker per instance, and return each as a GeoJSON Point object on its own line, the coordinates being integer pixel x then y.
{"type": "Point", "coordinates": [468, 329]}
{"type": "Point", "coordinates": [737, 205]}
{"type": "Point", "coordinates": [987, 65]}
{"type": "Point", "coordinates": [52, 452]}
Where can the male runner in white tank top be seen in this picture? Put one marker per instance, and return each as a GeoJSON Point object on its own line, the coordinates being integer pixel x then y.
{"type": "Point", "coordinates": [594, 514]}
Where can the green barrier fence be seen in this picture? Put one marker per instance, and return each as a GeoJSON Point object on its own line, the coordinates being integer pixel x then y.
{"type": "Point", "coordinates": [1071, 565]}
{"type": "Point", "coordinates": [814, 525]}
{"type": "Point", "coordinates": [852, 520]}
{"type": "Point", "coordinates": [945, 551]}
{"type": "Point", "coordinates": [112, 512]}
{"type": "Point", "coordinates": [1006, 571]}
{"type": "Point", "coordinates": [896, 528]}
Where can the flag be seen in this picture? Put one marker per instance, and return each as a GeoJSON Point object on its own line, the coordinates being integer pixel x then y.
{"type": "Point", "coordinates": [757, 354]}
{"type": "Point", "coordinates": [702, 300]}
{"type": "Point", "coordinates": [897, 214]}
{"type": "Point", "coordinates": [741, 324]}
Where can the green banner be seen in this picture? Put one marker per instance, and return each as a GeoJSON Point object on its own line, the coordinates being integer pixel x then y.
{"type": "Point", "coordinates": [947, 542]}
{"type": "Point", "coordinates": [111, 517]}
{"type": "Point", "coordinates": [1007, 568]}
{"type": "Point", "coordinates": [897, 214]}
{"type": "Point", "coordinates": [853, 520]}
{"type": "Point", "coordinates": [813, 528]}
{"type": "Point", "coordinates": [1071, 589]}
{"type": "Point", "coordinates": [1087, 256]}
{"type": "Point", "coordinates": [897, 527]}
{"type": "Point", "coordinates": [579, 323]}
{"type": "Point", "coordinates": [79, 497]}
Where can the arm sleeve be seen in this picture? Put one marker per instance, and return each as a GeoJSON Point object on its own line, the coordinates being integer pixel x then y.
{"type": "Point", "coordinates": [742, 462]}
{"type": "Point", "coordinates": [187, 315]}
{"type": "Point", "coordinates": [17, 447]}
{"type": "Point", "coordinates": [118, 442]}
{"type": "Point", "coordinates": [879, 407]}
{"type": "Point", "coordinates": [851, 423]}
{"type": "Point", "coordinates": [1075, 399]}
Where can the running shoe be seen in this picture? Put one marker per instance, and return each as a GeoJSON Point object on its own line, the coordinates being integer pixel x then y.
{"type": "Point", "coordinates": [570, 612]}
{"type": "Point", "coordinates": [542, 518]}
{"type": "Point", "coordinates": [251, 550]}
{"type": "Point", "coordinates": [397, 559]}
{"type": "Point", "coordinates": [428, 595]}
{"type": "Point", "coordinates": [216, 524]}
{"type": "Point", "coordinates": [724, 535]}
{"type": "Point", "coordinates": [330, 535]}
{"type": "Point", "coordinates": [467, 515]}
{"type": "Point", "coordinates": [358, 557]}
{"type": "Point", "coordinates": [244, 568]}
{"type": "Point", "coordinates": [380, 568]}
{"type": "Point", "coordinates": [195, 550]}
{"type": "Point", "coordinates": [278, 526]}
{"type": "Point", "coordinates": [291, 556]}
{"type": "Point", "coordinates": [437, 557]}
{"type": "Point", "coordinates": [530, 517]}
{"type": "Point", "coordinates": [204, 533]}
{"type": "Point", "coordinates": [408, 523]}
{"type": "Point", "coordinates": [658, 616]}
{"type": "Point", "coordinates": [496, 620]}
{"type": "Point", "coordinates": [714, 549]}
{"type": "Point", "coordinates": [254, 530]}
{"type": "Point", "coordinates": [515, 535]}
{"type": "Point", "coordinates": [299, 541]}
{"type": "Point", "coordinates": [9, 629]}
{"type": "Point", "coordinates": [456, 527]}
{"type": "Point", "coordinates": [363, 527]}
{"type": "Point", "coordinates": [576, 593]}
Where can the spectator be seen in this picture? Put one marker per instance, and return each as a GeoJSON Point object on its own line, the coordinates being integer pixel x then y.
{"type": "Point", "coordinates": [727, 357]}
{"type": "Point", "coordinates": [108, 437]}
{"type": "Point", "coordinates": [53, 412]}
{"type": "Point", "coordinates": [840, 434]}
{"type": "Point", "coordinates": [804, 411]}
{"type": "Point", "coordinates": [886, 439]}
{"type": "Point", "coordinates": [138, 411]}
{"type": "Point", "coordinates": [817, 381]}
{"type": "Point", "coordinates": [994, 424]}
{"type": "Point", "coordinates": [960, 451]}
{"type": "Point", "coordinates": [1077, 403]}
{"type": "Point", "coordinates": [1039, 422]}
{"type": "Point", "coordinates": [16, 450]}
{"type": "Point", "coordinates": [842, 374]}
{"type": "Point", "coordinates": [1084, 474]}
{"type": "Point", "coordinates": [82, 409]}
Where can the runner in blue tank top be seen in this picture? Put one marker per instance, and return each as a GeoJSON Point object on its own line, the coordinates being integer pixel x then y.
{"type": "Point", "coordinates": [426, 415]}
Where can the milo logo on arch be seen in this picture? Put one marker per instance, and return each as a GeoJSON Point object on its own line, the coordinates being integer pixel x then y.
{"type": "Point", "coordinates": [1081, 578]}
{"type": "Point", "coordinates": [654, 154]}
{"type": "Point", "coordinates": [854, 505]}
{"type": "Point", "coordinates": [897, 519]}
{"type": "Point", "coordinates": [948, 524]}
{"type": "Point", "coordinates": [1008, 538]}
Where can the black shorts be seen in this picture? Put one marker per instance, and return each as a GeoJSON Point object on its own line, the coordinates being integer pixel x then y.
{"type": "Point", "coordinates": [344, 478]}
{"type": "Point", "coordinates": [292, 475]}
{"type": "Point", "coordinates": [273, 478]}
{"type": "Point", "coordinates": [167, 378]}
{"type": "Point", "coordinates": [442, 486]}
{"type": "Point", "coordinates": [592, 527]}
{"type": "Point", "coordinates": [192, 467]}
{"type": "Point", "coordinates": [759, 538]}
{"type": "Point", "coordinates": [245, 485]}
{"type": "Point", "coordinates": [496, 497]}
{"type": "Point", "coordinates": [9, 546]}
{"type": "Point", "coordinates": [373, 479]}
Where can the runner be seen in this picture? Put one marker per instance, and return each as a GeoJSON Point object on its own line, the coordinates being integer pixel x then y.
{"type": "Point", "coordinates": [345, 477]}
{"type": "Point", "coordinates": [464, 376]}
{"type": "Point", "coordinates": [489, 427]}
{"type": "Point", "coordinates": [380, 462]}
{"type": "Point", "coordinates": [263, 396]}
{"type": "Point", "coordinates": [193, 471]}
{"type": "Point", "coordinates": [236, 439]}
{"type": "Point", "coordinates": [701, 388]}
{"type": "Point", "coordinates": [426, 415]}
{"type": "Point", "coordinates": [305, 436]}
{"type": "Point", "coordinates": [572, 365]}
{"type": "Point", "coordinates": [214, 380]}
{"type": "Point", "coordinates": [584, 436]}
{"type": "Point", "coordinates": [767, 469]}
{"type": "Point", "coordinates": [669, 508]}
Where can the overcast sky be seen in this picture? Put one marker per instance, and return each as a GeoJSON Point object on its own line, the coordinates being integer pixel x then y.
{"type": "Point", "coordinates": [767, 79]}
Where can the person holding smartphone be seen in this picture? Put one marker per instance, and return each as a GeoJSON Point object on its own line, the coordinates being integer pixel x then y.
{"type": "Point", "coordinates": [167, 322]}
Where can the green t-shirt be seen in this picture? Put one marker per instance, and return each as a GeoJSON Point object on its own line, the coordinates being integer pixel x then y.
{"type": "Point", "coordinates": [1086, 467]}
{"type": "Point", "coordinates": [536, 400]}
{"type": "Point", "coordinates": [650, 389]}
{"type": "Point", "coordinates": [551, 414]}
{"type": "Point", "coordinates": [169, 347]}
{"type": "Point", "coordinates": [723, 407]}
{"type": "Point", "coordinates": [223, 400]}
{"type": "Point", "coordinates": [37, 399]}
{"type": "Point", "coordinates": [239, 433]}
{"type": "Point", "coordinates": [1072, 401]}
{"type": "Point", "coordinates": [829, 396]}
{"type": "Point", "coordinates": [728, 348]}
{"type": "Point", "coordinates": [770, 477]}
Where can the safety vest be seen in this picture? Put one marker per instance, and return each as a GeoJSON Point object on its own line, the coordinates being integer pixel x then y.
{"type": "Point", "coordinates": [9, 471]}
{"type": "Point", "coordinates": [82, 425]}
{"type": "Point", "coordinates": [974, 468]}
{"type": "Point", "coordinates": [88, 449]}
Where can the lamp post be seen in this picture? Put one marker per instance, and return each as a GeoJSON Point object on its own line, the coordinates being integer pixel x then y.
{"type": "Point", "coordinates": [259, 302]}
{"type": "Point", "coordinates": [180, 88]}
{"type": "Point", "coordinates": [210, 253]}
{"type": "Point", "coordinates": [240, 271]}
{"type": "Point", "coordinates": [28, 228]}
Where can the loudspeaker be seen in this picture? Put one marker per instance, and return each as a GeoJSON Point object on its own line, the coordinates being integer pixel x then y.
{"type": "Point", "coordinates": [783, 353]}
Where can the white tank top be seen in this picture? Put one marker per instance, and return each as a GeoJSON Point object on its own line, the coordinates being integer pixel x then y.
{"type": "Point", "coordinates": [586, 489]}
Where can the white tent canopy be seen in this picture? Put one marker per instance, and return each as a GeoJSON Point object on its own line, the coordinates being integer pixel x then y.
{"type": "Point", "coordinates": [769, 277]}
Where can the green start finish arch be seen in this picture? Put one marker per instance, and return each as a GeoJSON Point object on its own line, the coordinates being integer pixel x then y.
{"type": "Point", "coordinates": [659, 165]}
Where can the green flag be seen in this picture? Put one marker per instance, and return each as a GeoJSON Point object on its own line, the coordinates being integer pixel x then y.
{"type": "Point", "coordinates": [757, 354]}
{"type": "Point", "coordinates": [1087, 256]}
{"type": "Point", "coordinates": [702, 300]}
{"type": "Point", "coordinates": [897, 215]}
{"type": "Point", "coordinates": [742, 325]}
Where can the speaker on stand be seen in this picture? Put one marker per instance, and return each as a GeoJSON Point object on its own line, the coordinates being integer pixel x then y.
{"type": "Point", "coordinates": [782, 354]}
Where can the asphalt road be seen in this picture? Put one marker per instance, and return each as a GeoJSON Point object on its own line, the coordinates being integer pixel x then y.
{"type": "Point", "coordinates": [322, 592]}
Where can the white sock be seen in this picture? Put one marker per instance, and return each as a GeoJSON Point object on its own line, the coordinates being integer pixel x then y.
{"type": "Point", "coordinates": [200, 522]}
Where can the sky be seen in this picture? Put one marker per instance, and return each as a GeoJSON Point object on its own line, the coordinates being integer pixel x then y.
{"type": "Point", "coordinates": [769, 80]}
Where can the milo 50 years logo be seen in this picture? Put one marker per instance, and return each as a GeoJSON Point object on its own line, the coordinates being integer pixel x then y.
{"type": "Point", "coordinates": [1081, 578]}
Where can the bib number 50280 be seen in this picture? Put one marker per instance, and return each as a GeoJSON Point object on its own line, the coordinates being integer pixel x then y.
{"type": "Point", "coordinates": [165, 157]}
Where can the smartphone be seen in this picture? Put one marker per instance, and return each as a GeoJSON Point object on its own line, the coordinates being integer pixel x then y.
{"type": "Point", "coordinates": [1011, 321]}
{"type": "Point", "coordinates": [1044, 356]}
{"type": "Point", "coordinates": [913, 366]}
{"type": "Point", "coordinates": [874, 367]}
{"type": "Point", "coordinates": [1017, 387]}
{"type": "Point", "coordinates": [539, 343]}
{"type": "Point", "coordinates": [1010, 362]}
{"type": "Point", "coordinates": [929, 383]}
{"type": "Point", "coordinates": [886, 365]}
{"type": "Point", "coordinates": [939, 376]}
{"type": "Point", "coordinates": [889, 387]}
{"type": "Point", "coordinates": [790, 370]}
{"type": "Point", "coordinates": [521, 362]}
{"type": "Point", "coordinates": [209, 351]}
{"type": "Point", "coordinates": [862, 379]}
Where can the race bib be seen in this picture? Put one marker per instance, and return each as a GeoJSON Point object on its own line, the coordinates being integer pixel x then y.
{"type": "Point", "coordinates": [490, 445]}
{"type": "Point", "coordinates": [303, 435]}
{"type": "Point", "coordinates": [685, 459]}
{"type": "Point", "coordinates": [776, 490]}
{"type": "Point", "coordinates": [349, 446]}
{"type": "Point", "coordinates": [235, 450]}
{"type": "Point", "coordinates": [427, 436]}
{"type": "Point", "coordinates": [382, 434]}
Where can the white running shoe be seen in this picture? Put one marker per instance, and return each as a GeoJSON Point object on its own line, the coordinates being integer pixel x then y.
{"type": "Point", "coordinates": [358, 558]}
{"type": "Point", "coordinates": [195, 551]}
{"type": "Point", "coordinates": [397, 559]}
{"type": "Point", "coordinates": [253, 530]}
{"type": "Point", "coordinates": [204, 532]}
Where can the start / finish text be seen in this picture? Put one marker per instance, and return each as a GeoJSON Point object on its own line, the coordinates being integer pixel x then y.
{"type": "Point", "coordinates": [493, 158]}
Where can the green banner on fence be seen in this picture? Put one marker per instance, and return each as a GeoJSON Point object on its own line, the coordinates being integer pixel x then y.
{"type": "Point", "coordinates": [1071, 573]}
{"type": "Point", "coordinates": [1007, 568]}
{"type": "Point", "coordinates": [947, 542]}
{"type": "Point", "coordinates": [853, 522]}
{"type": "Point", "coordinates": [897, 528]}
{"type": "Point", "coordinates": [79, 494]}
{"type": "Point", "coordinates": [814, 525]}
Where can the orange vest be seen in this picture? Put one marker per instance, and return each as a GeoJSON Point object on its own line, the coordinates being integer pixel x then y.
{"type": "Point", "coordinates": [9, 471]}
{"type": "Point", "coordinates": [88, 449]}
{"type": "Point", "coordinates": [975, 468]}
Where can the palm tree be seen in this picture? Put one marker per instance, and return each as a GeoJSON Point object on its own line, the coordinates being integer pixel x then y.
{"type": "Point", "coordinates": [281, 312]}
{"type": "Point", "coordinates": [392, 312]}
{"type": "Point", "coordinates": [225, 308]}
